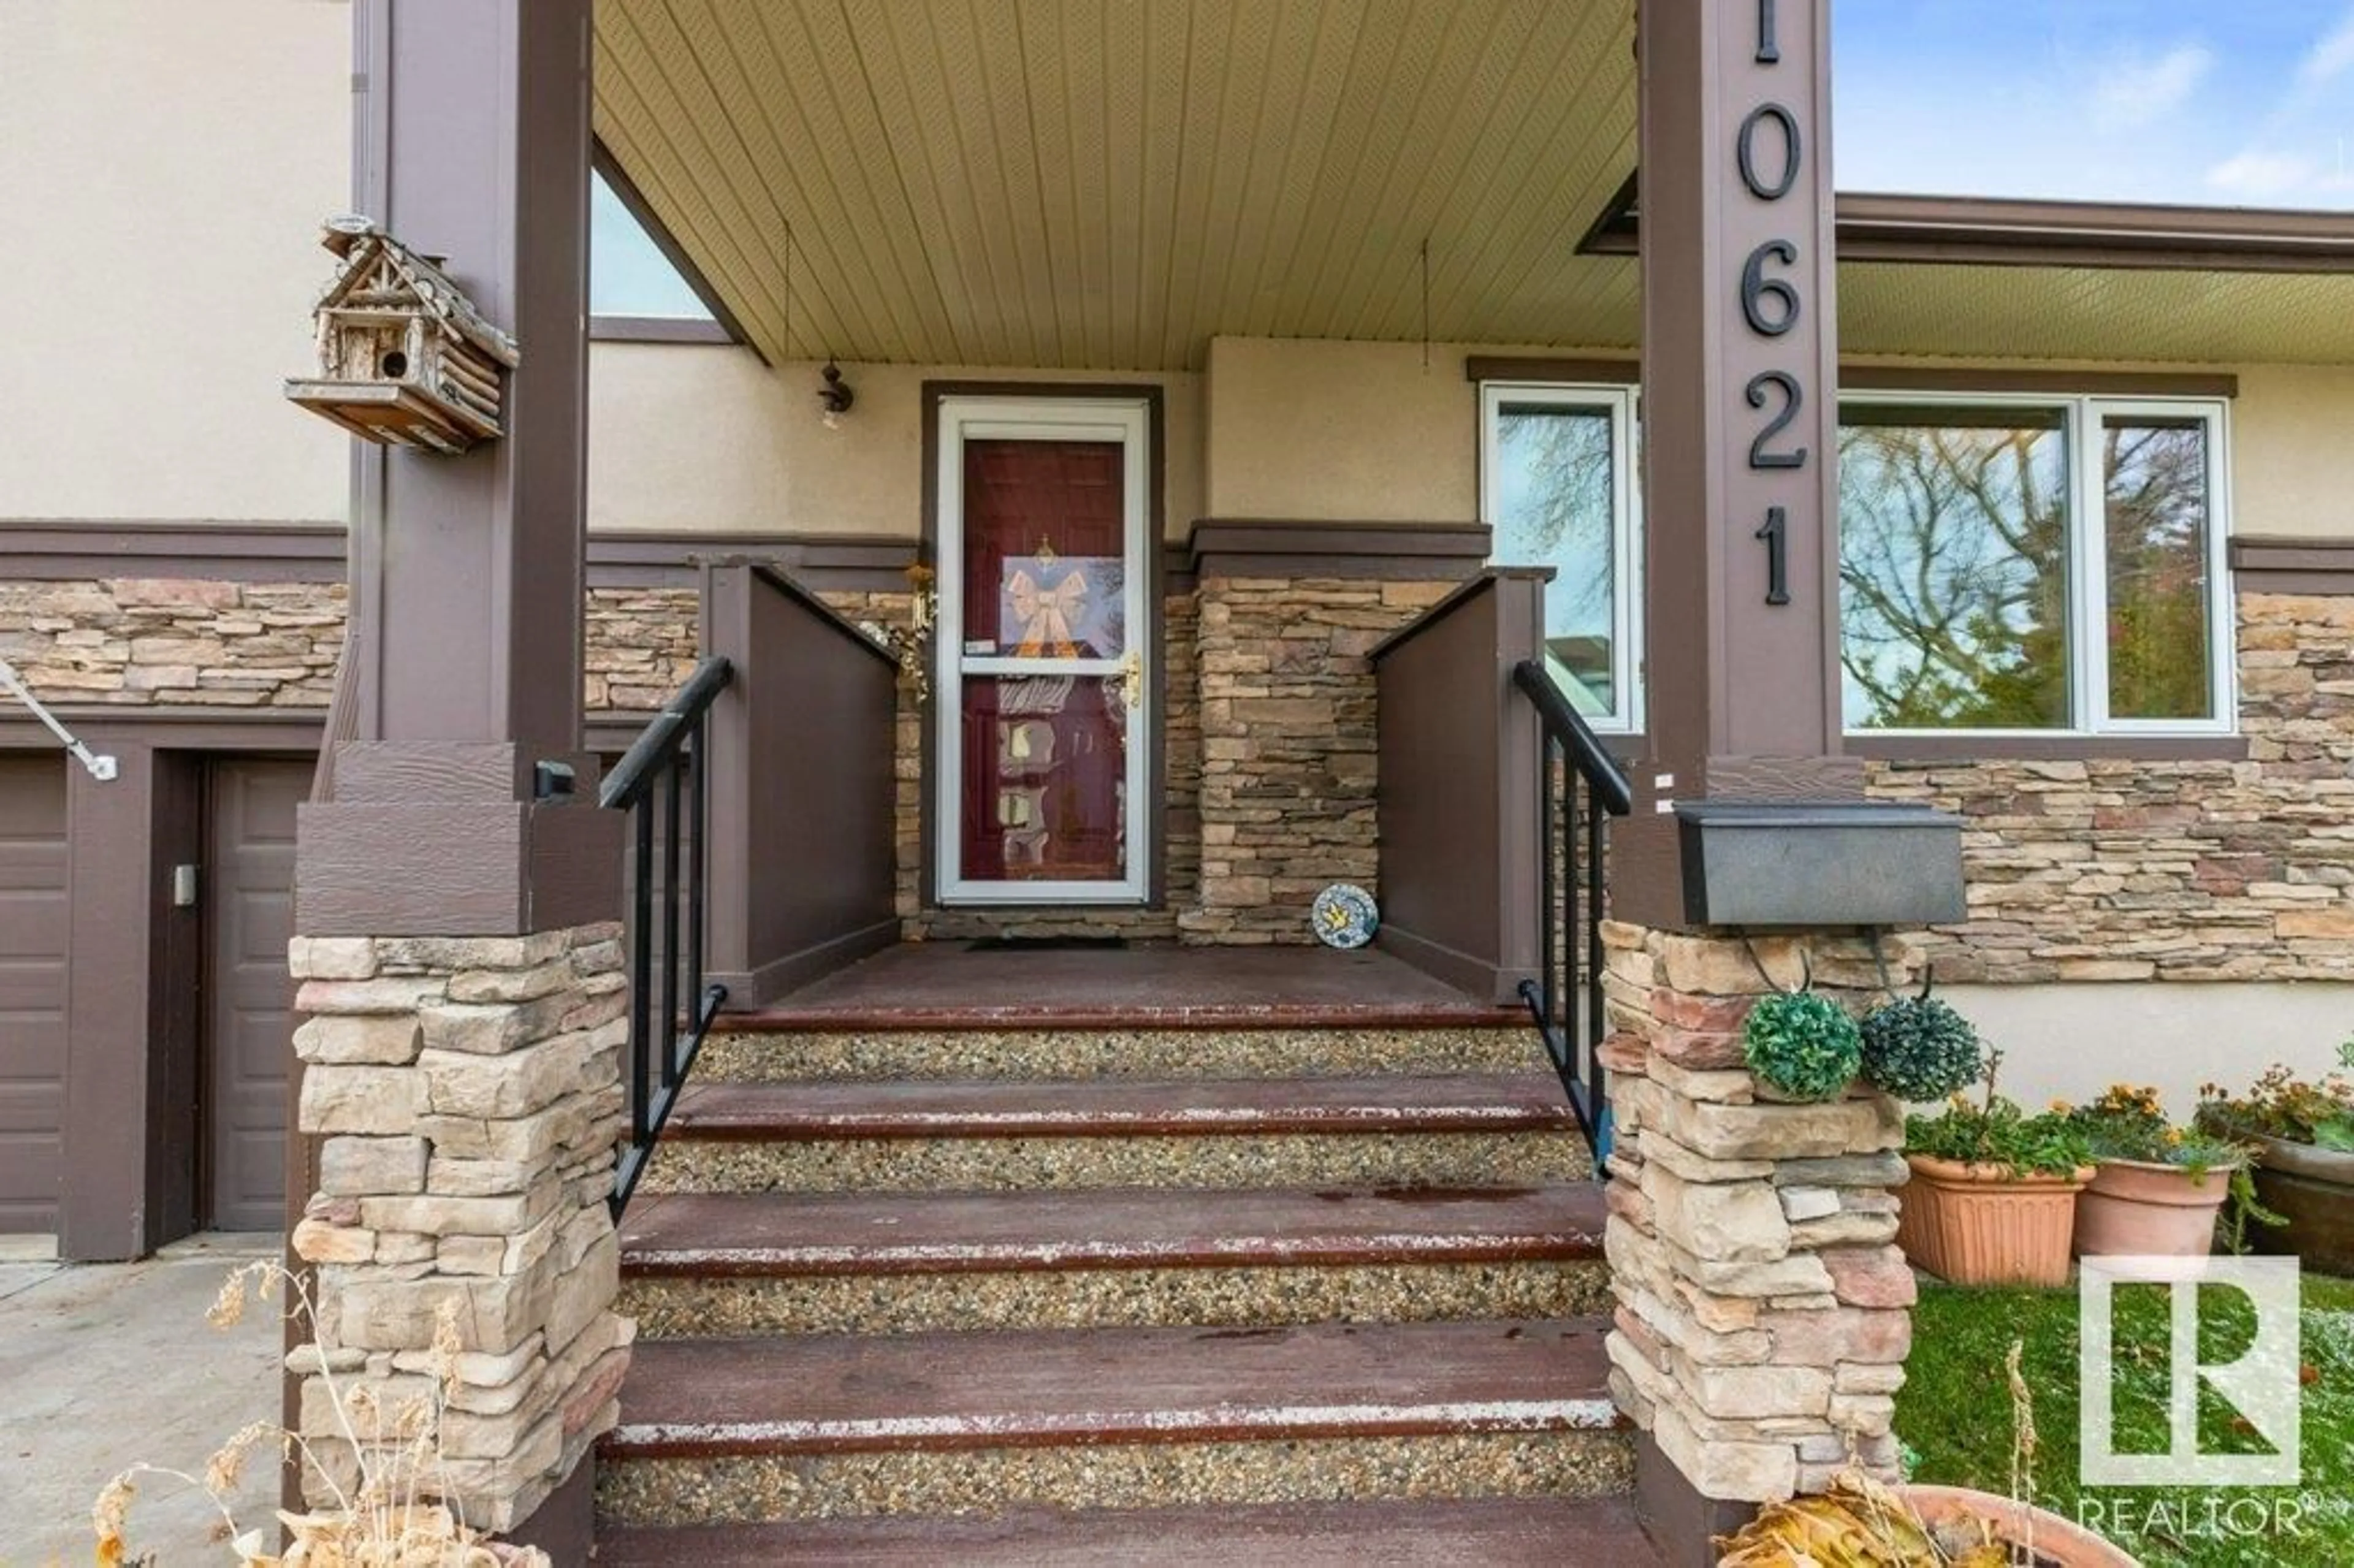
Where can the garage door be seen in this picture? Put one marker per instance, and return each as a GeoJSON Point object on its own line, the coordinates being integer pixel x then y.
{"type": "Point", "coordinates": [32, 990]}
{"type": "Point", "coordinates": [250, 1031]}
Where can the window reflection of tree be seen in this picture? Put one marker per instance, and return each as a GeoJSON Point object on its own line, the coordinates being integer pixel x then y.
{"type": "Point", "coordinates": [1953, 557]}
{"type": "Point", "coordinates": [2156, 539]}
{"type": "Point", "coordinates": [1560, 516]}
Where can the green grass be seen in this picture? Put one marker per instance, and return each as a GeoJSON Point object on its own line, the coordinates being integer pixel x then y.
{"type": "Point", "coordinates": [1955, 1416]}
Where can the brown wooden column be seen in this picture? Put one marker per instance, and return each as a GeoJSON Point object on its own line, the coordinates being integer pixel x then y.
{"type": "Point", "coordinates": [1740, 350]}
{"type": "Point", "coordinates": [472, 143]}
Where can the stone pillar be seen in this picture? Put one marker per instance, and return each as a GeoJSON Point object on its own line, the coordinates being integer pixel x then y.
{"type": "Point", "coordinates": [1761, 1319]}
{"type": "Point", "coordinates": [460, 972]}
{"type": "Point", "coordinates": [468, 1093]}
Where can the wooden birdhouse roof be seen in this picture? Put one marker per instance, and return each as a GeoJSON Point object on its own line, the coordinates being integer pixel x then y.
{"type": "Point", "coordinates": [380, 272]}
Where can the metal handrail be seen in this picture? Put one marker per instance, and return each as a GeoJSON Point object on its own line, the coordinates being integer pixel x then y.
{"type": "Point", "coordinates": [661, 782]}
{"type": "Point", "coordinates": [1573, 1041]}
{"type": "Point", "coordinates": [102, 767]}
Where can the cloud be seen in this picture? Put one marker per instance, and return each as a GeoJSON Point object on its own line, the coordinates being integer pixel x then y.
{"type": "Point", "coordinates": [2329, 58]}
{"type": "Point", "coordinates": [2286, 179]}
{"type": "Point", "coordinates": [2134, 91]}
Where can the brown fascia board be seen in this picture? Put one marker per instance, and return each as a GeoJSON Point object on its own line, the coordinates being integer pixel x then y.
{"type": "Point", "coordinates": [1982, 231]}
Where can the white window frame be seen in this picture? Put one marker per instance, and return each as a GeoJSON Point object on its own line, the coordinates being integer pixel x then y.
{"type": "Point", "coordinates": [2087, 560]}
{"type": "Point", "coordinates": [1620, 401]}
{"type": "Point", "coordinates": [992, 417]}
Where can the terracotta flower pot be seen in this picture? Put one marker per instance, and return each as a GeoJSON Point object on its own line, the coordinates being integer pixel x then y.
{"type": "Point", "coordinates": [1982, 1224]}
{"type": "Point", "coordinates": [2058, 1541]}
{"type": "Point", "coordinates": [2138, 1208]}
{"type": "Point", "coordinates": [2313, 1187]}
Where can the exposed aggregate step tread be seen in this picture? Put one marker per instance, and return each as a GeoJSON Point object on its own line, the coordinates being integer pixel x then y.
{"type": "Point", "coordinates": [836, 1394]}
{"type": "Point", "coordinates": [1496, 1533]}
{"type": "Point", "coordinates": [727, 1234]}
{"type": "Point", "coordinates": [1458, 1102]}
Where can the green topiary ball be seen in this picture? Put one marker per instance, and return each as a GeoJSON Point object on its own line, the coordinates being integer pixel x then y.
{"type": "Point", "coordinates": [1917, 1048]}
{"type": "Point", "coordinates": [1804, 1044]}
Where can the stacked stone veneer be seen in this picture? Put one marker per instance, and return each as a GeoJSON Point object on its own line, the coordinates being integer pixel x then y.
{"type": "Point", "coordinates": [2126, 870]}
{"type": "Point", "coordinates": [191, 642]}
{"type": "Point", "coordinates": [1290, 745]}
{"type": "Point", "coordinates": [467, 1095]}
{"type": "Point", "coordinates": [2106, 869]}
{"type": "Point", "coordinates": [1761, 1319]}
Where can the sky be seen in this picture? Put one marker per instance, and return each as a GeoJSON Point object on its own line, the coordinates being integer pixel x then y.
{"type": "Point", "coordinates": [628, 276]}
{"type": "Point", "coordinates": [2208, 103]}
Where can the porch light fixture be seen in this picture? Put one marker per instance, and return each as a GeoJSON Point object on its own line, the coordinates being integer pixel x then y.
{"type": "Point", "coordinates": [835, 397]}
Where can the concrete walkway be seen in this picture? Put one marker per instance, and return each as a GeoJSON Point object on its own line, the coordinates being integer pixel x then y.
{"type": "Point", "coordinates": [105, 1365]}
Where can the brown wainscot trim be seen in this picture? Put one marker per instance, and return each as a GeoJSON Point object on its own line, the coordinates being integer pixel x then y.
{"type": "Point", "coordinates": [57, 550]}
{"type": "Point", "coordinates": [659, 329]}
{"type": "Point", "coordinates": [2058, 383]}
{"type": "Point", "coordinates": [1965, 748]}
{"type": "Point", "coordinates": [2262, 565]}
{"type": "Point", "coordinates": [1608, 372]}
{"type": "Point", "coordinates": [827, 563]}
{"type": "Point", "coordinates": [39, 549]}
{"type": "Point", "coordinates": [1256, 547]}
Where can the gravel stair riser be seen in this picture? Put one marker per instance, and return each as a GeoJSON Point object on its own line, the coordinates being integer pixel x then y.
{"type": "Point", "coordinates": [746, 1488]}
{"type": "Point", "coordinates": [1090, 1299]}
{"type": "Point", "coordinates": [1065, 1053]}
{"type": "Point", "coordinates": [1223, 1162]}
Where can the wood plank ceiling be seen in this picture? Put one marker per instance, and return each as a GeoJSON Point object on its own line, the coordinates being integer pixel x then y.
{"type": "Point", "coordinates": [1107, 183]}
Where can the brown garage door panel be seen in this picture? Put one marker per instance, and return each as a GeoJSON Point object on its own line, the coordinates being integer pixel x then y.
{"type": "Point", "coordinates": [32, 990]}
{"type": "Point", "coordinates": [252, 913]}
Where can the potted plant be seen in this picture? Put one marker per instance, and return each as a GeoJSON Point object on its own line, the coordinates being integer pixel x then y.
{"type": "Point", "coordinates": [2157, 1188]}
{"type": "Point", "coordinates": [1993, 1195]}
{"type": "Point", "coordinates": [2302, 1133]}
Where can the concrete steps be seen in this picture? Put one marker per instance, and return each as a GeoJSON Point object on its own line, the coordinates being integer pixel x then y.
{"type": "Point", "coordinates": [1065, 1289]}
{"type": "Point", "coordinates": [818, 1425]}
{"type": "Point", "coordinates": [1496, 1533]}
{"type": "Point", "coordinates": [731, 1264]}
{"type": "Point", "coordinates": [1007, 1134]}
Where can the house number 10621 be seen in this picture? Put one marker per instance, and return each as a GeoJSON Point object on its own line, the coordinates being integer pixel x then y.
{"type": "Point", "coordinates": [1770, 158]}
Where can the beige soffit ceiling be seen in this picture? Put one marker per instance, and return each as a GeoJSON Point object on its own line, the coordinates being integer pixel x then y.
{"type": "Point", "coordinates": [1108, 184]}
{"type": "Point", "coordinates": [2096, 313]}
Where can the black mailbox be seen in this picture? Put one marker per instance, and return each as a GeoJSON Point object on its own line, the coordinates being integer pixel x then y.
{"type": "Point", "coordinates": [1820, 863]}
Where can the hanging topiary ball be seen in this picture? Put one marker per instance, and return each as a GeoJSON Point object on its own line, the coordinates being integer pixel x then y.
{"type": "Point", "coordinates": [1803, 1043]}
{"type": "Point", "coordinates": [1919, 1049]}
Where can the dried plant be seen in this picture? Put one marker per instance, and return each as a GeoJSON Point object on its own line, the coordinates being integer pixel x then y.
{"type": "Point", "coordinates": [389, 1520]}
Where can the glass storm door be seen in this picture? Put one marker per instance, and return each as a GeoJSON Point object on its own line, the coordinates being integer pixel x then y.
{"type": "Point", "coordinates": [1041, 647]}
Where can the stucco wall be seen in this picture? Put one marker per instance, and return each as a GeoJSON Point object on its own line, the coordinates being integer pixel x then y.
{"type": "Point", "coordinates": [1359, 432]}
{"type": "Point", "coordinates": [2292, 450]}
{"type": "Point", "coordinates": [165, 168]}
{"type": "Point", "coordinates": [707, 437]}
{"type": "Point", "coordinates": [2070, 1042]}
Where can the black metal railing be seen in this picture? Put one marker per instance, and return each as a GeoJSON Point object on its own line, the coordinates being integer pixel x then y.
{"type": "Point", "coordinates": [1582, 789]}
{"type": "Point", "coordinates": [661, 784]}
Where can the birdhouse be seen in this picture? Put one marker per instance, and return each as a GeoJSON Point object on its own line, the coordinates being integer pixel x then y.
{"type": "Point", "coordinates": [405, 359]}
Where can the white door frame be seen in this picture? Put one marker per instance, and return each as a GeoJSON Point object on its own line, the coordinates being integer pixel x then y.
{"type": "Point", "coordinates": [1120, 420]}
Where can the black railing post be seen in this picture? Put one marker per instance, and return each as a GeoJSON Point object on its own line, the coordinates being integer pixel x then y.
{"type": "Point", "coordinates": [1572, 905]}
{"type": "Point", "coordinates": [669, 756]}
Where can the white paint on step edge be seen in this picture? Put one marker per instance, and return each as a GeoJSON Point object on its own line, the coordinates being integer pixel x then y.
{"type": "Point", "coordinates": [1332, 1420]}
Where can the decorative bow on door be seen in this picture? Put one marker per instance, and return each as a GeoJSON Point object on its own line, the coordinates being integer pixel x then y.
{"type": "Point", "coordinates": [1046, 614]}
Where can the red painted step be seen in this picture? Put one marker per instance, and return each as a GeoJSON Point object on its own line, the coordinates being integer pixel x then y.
{"type": "Point", "coordinates": [834, 1393]}
{"type": "Point", "coordinates": [750, 1234]}
{"type": "Point", "coordinates": [1466, 1102]}
{"type": "Point", "coordinates": [1495, 1533]}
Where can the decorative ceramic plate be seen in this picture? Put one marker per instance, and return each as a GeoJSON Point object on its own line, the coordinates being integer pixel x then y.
{"type": "Point", "coordinates": [1343, 915]}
